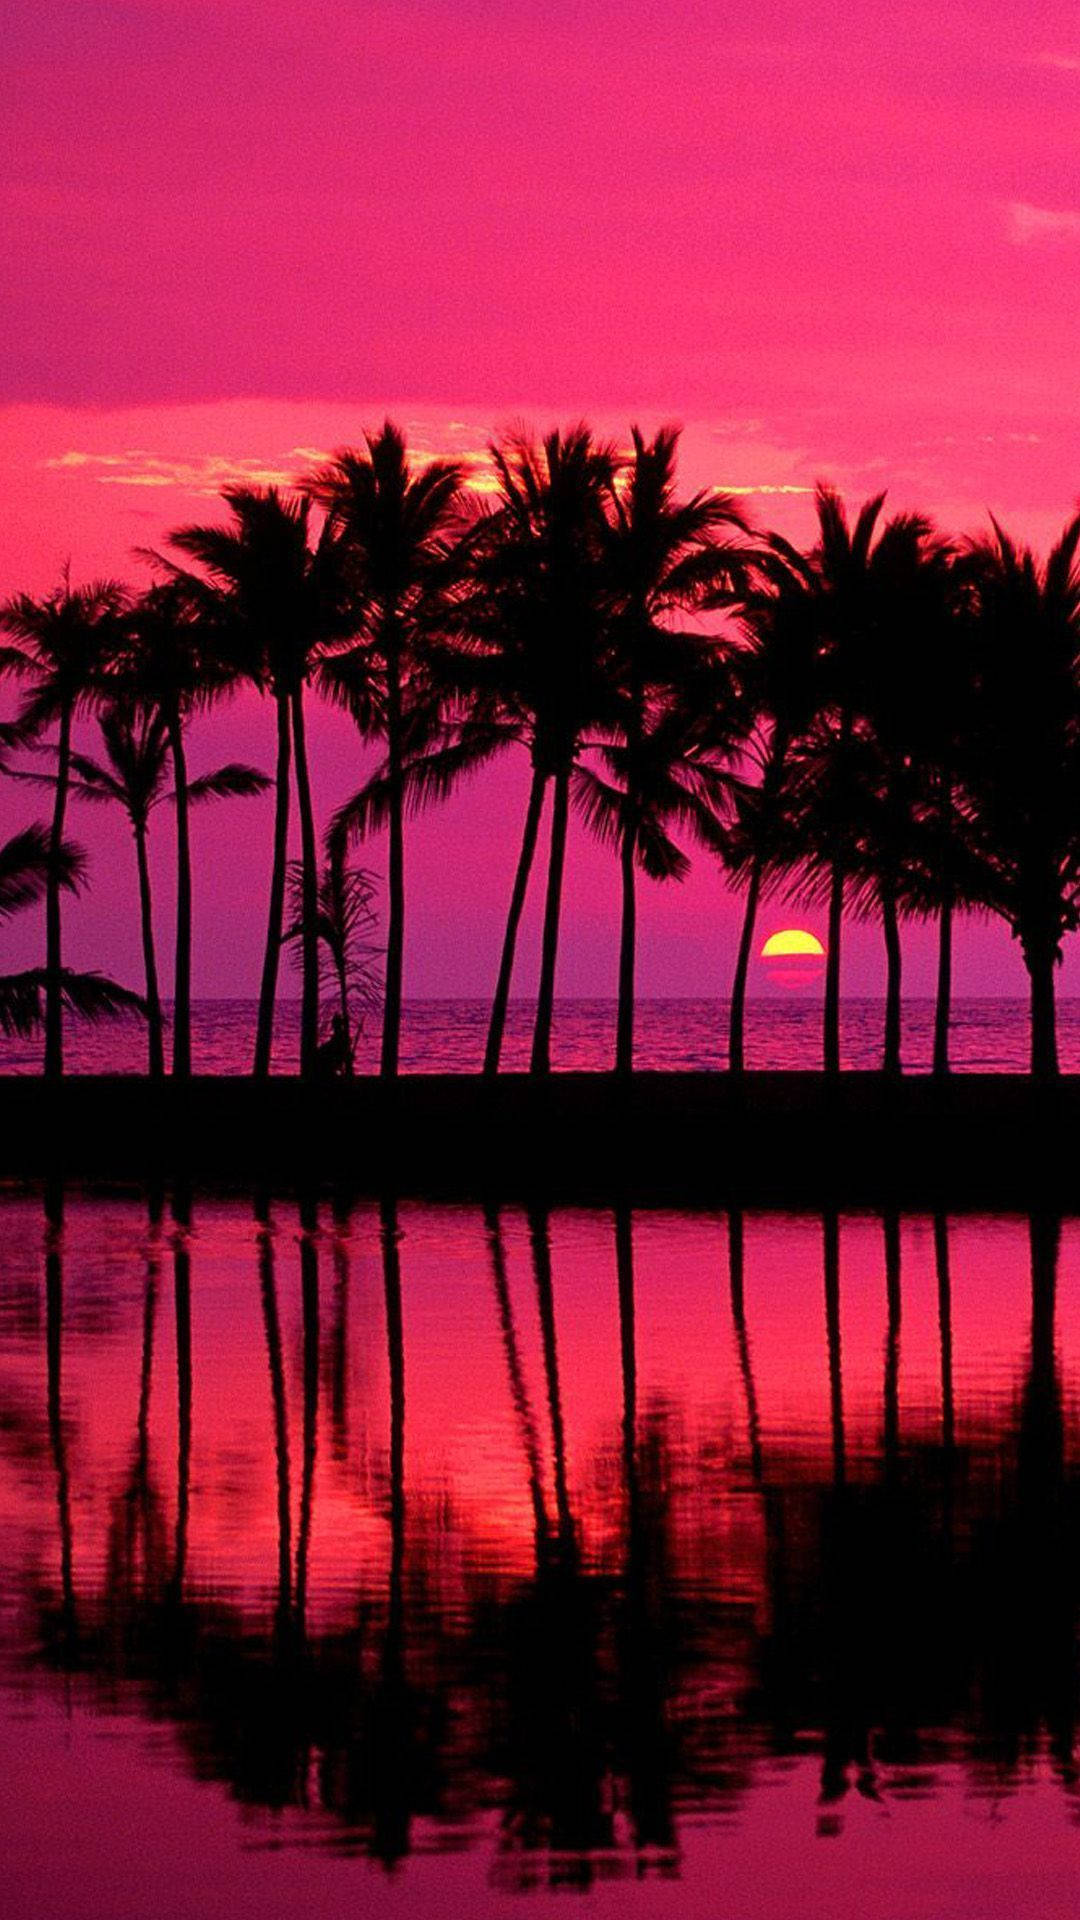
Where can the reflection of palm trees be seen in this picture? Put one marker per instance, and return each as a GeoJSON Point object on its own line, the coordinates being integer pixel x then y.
{"type": "Point", "coordinates": [279, 1404]}
{"type": "Point", "coordinates": [831, 1234]}
{"type": "Point", "coordinates": [392, 1713]}
{"type": "Point", "coordinates": [519, 1396]}
{"type": "Point", "coordinates": [337, 1390]}
{"type": "Point", "coordinates": [54, 1317]}
{"type": "Point", "coordinates": [181, 1251]}
{"type": "Point", "coordinates": [540, 1240]}
{"type": "Point", "coordinates": [309, 1288]}
{"type": "Point", "coordinates": [736, 1274]}
{"type": "Point", "coordinates": [944, 1287]}
{"type": "Point", "coordinates": [892, 1342]}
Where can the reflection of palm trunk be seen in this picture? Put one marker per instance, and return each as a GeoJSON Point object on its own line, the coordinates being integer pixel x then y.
{"type": "Point", "coordinates": [309, 871]}
{"type": "Point", "coordinates": [892, 1343]}
{"type": "Point", "coordinates": [54, 1314]}
{"type": "Point", "coordinates": [272, 1330]}
{"type": "Point", "coordinates": [309, 1288]}
{"type": "Point", "coordinates": [339, 1340]}
{"type": "Point", "coordinates": [624, 1264]}
{"type": "Point", "coordinates": [182, 1296]}
{"type": "Point", "coordinates": [154, 1024]}
{"type": "Point", "coordinates": [518, 1391]}
{"type": "Point", "coordinates": [390, 1234]}
{"type": "Point", "coordinates": [146, 1377]}
{"type": "Point", "coordinates": [501, 1002]}
{"type": "Point", "coordinates": [832, 1329]}
{"type": "Point", "coordinates": [540, 1239]}
{"type": "Point", "coordinates": [264, 1035]}
{"type": "Point", "coordinates": [54, 1007]}
{"type": "Point", "coordinates": [545, 1001]}
{"type": "Point", "coordinates": [391, 1720]}
{"type": "Point", "coordinates": [736, 1274]}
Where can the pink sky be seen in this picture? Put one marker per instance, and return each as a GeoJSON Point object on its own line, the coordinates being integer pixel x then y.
{"type": "Point", "coordinates": [842, 241]}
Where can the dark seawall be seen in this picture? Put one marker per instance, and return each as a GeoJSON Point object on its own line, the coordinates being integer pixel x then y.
{"type": "Point", "coordinates": [770, 1139]}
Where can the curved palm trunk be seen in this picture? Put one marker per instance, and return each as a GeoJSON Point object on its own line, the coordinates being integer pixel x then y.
{"type": "Point", "coordinates": [894, 960]}
{"type": "Point", "coordinates": [154, 1023]}
{"type": "Point", "coordinates": [395, 879]}
{"type": "Point", "coordinates": [540, 1241]}
{"type": "Point", "coordinates": [264, 1033]}
{"type": "Point", "coordinates": [501, 1002]}
{"type": "Point", "coordinates": [279, 1402]}
{"type": "Point", "coordinates": [540, 1062]}
{"type": "Point", "coordinates": [737, 1290]}
{"type": "Point", "coordinates": [519, 1393]}
{"type": "Point", "coordinates": [309, 862]}
{"type": "Point", "coordinates": [54, 1006]}
{"type": "Point", "coordinates": [1041, 960]}
{"type": "Point", "coordinates": [737, 1016]}
{"type": "Point", "coordinates": [831, 1036]}
{"type": "Point", "coordinates": [309, 1285]}
{"type": "Point", "coordinates": [624, 1034]}
{"type": "Point", "coordinates": [181, 1062]}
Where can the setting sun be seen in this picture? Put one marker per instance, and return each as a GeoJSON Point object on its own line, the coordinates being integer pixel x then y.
{"type": "Point", "coordinates": [790, 942]}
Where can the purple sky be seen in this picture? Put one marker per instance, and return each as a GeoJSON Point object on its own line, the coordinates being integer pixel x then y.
{"type": "Point", "coordinates": [839, 241]}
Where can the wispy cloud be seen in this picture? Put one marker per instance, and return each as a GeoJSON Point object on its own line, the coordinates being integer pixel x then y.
{"type": "Point", "coordinates": [1060, 62]}
{"type": "Point", "coordinates": [204, 474]}
{"type": "Point", "coordinates": [1027, 224]}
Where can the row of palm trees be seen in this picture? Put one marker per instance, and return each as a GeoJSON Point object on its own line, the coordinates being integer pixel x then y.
{"type": "Point", "coordinates": [886, 723]}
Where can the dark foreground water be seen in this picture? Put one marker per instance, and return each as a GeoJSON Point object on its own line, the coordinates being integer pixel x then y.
{"type": "Point", "coordinates": [447, 1036]}
{"type": "Point", "coordinates": [418, 1562]}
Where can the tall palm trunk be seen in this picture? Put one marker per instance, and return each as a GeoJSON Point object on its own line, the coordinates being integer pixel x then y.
{"type": "Point", "coordinates": [624, 1033]}
{"type": "Point", "coordinates": [395, 927]}
{"type": "Point", "coordinates": [1041, 960]}
{"type": "Point", "coordinates": [545, 1002]}
{"type": "Point", "coordinates": [264, 1034]}
{"type": "Point", "coordinates": [894, 960]}
{"type": "Point", "coordinates": [181, 1063]}
{"type": "Point", "coordinates": [54, 1008]}
{"type": "Point", "coordinates": [309, 869]}
{"type": "Point", "coordinates": [737, 1016]}
{"type": "Point", "coordinates": [501, 1002]}
{"type": "Point", "coordinates": [154, 1023]}
{"type": "Point", "coordinates": [832, 970]}
{"type": "Point", "coordinates": [943, 1000]}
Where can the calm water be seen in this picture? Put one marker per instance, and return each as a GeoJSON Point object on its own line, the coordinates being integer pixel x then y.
{"type": "Point", "coordinates": [416, 1562]}
{"type": "Point", "coordinates": [448, 1036]}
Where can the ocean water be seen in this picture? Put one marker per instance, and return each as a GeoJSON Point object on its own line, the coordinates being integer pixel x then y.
{"type": "Point", "coordinates": [421, 1563]}
{"type": "Point", "coordinates": [448, 1036]}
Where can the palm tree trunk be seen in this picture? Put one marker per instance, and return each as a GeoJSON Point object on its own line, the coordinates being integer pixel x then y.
{"type": "Point", "coordinates": [894, 960]}
{"type": "Point", "coordinates": [346, 1017]}
{"type": "Point", "coordinates": [737, 1017]}
{"type": "Point", "coordinates": [545, 1002]}
{"type": "Point", "coordinates": [309, 859]}
{"type": "Point", "coordinates": [54, 1008]}
{"type": "Point", "coordinates": [395, 927]}
{"type": "Point", "coordinates": [501, 1002]}
{"type": "Point", "coordinates": [832, 970]}
{"type": "Point", "coordinates": [264, 1034]}
{"type": "Point", "coordinates": [624, 1033]}
{"type": "Point", "coordinates": [154, 1025]}
{"type": "Point", "coordinates": [943, 1002]}
{"type": "Point", "coordinates": [181, 1062]}
{"type": "Point", "coordinates": [1041, 961]}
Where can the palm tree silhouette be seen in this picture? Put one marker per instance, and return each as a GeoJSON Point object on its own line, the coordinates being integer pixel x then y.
{"type": "Point", "coordinates": [64, 642]}
{"type": "Point", "coordinates": [534, 618]}
{"type": "Point", "coordinates": [668, 559]}
{"type": "Point", "coordinates": [267, 1265]}
{"type": "Point", "coordinates": [394, 519]}
{"type": "Point", "coordinates": [54, 1348]}
{"type": "Point", "coordinates": [29, 863]}
{"type": "Point", "coordinates": [1022, 755]}
{"type": "Point", "coordinates": [345, 921]}
{"type": "Point", "coordinates": [309, 1289]}
{"type": "Point", "coordinates": [275, 603]}
{"type": "Point", "coordinates": [133, 775]}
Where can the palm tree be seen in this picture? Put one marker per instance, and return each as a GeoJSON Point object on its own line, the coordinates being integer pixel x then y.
{"type": "Point", "coordinates": [346, 922]}
{"type": "Point", "coordinates": [63, 645]}
{"type": "Point", "coordinates": [134, 775]}
{"type": "Point", "coordinates": [29, 864]}
{"type": "Point", "coordinates": [277, 602]}
{"type": "Point", "coordinates": [395, 520]}
{"type": "Point", "coordinates": [668, 559]}
{"type": "Point", "coordinates": [535, 622]}
{"type": "Point", "coordinates": [1022, 758]}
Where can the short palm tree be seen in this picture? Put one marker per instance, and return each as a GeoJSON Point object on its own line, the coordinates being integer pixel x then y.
{"type": "Point", "coordinates": [63, 645]}
{"type": "Point", "coordinates": [396, 520]}
{"type": "Point", "coordinates": [1022, 755]}
{"type": "Point", "coordinates": [669, 559]}
{"type": "Point", "coordinates": [274, 602]}
{"type": "Point", "coordinates": [347, 925]}
{"type": "Point", "coordinates": [31, 862]}
{"type": "Point", "coordinates": [133, 774]}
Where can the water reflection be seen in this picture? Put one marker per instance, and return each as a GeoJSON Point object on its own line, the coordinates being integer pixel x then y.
{"type": "Point", "coordinates": [548, 1533]}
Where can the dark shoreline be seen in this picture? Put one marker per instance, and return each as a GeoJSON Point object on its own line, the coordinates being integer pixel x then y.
{"type": "Point", "coordinates": [770, 1139]}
